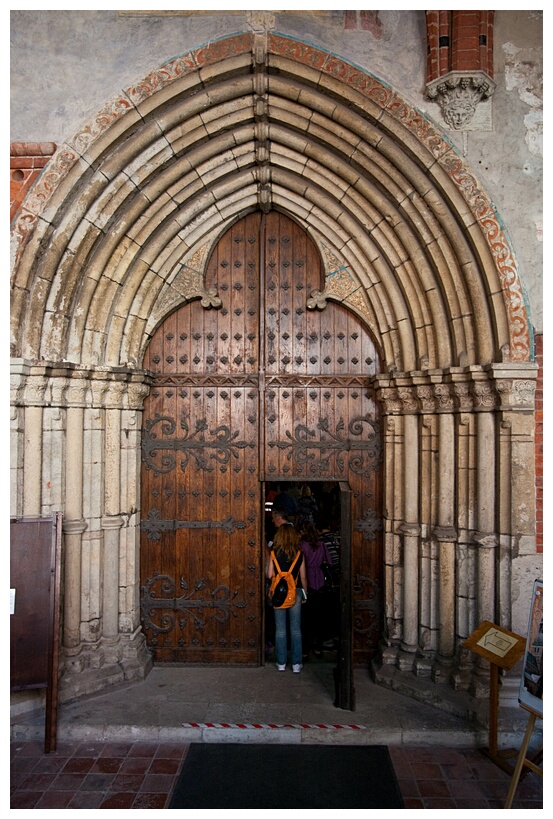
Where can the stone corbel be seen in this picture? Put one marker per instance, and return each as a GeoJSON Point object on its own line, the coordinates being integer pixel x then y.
{"type": "Point", "coordinates": [458, 93]}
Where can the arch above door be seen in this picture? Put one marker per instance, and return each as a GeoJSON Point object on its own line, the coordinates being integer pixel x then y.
{"type": "Point", "coordinates": [412, 239]}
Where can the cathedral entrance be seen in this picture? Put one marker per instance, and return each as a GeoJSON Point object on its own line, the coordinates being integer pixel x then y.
{"type": "Point", "coordinates": [258, 391]}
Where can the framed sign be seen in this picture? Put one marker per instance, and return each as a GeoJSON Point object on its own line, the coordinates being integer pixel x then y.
{"type": "Point", "coordinates": [531, 683]}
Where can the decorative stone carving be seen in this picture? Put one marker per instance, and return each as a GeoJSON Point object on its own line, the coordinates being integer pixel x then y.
{"type": "Point", "coordinates": [425, 394]}
{"type": "Point", "coordinates": [519, 394]}
{"type": "Point", "coordinates": [339, 282]}
{"type": "Point", "coordinates": [458, 93]}
{"type": "Point", "coordinates": [189, 281]}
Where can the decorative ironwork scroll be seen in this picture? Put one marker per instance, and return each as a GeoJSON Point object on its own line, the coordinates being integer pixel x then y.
{"type": "Point", "coordinates": [219, 603]}
{"type": "Point", "coordinates": [364, 454]}
{"type": "Point", "coordinates": [195, 445]}
{"type": "Point", "coordinates": [155, 525]}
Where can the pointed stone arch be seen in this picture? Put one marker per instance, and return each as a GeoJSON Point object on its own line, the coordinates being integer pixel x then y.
{"type": "Point", "coordinates": [116, 233]}
{"type": "Point", "coordinates": [263, 121]}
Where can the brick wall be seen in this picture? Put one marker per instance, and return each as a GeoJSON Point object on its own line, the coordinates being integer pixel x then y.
{"type": "Point", "coordinates": [26, 162]}
{"type": "Point", "coordinates": [458, 41]}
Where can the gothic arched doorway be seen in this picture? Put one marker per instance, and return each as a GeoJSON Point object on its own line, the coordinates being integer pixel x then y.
{"type": "Point", "coordinates": [262, 389]}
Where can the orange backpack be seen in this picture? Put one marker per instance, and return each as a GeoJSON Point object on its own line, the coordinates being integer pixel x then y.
{"type": "Point", "coordinates": [282, 591]}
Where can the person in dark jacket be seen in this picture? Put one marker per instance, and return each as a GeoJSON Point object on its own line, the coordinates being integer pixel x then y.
{"type": "Point", "coordinates": [317, 610]}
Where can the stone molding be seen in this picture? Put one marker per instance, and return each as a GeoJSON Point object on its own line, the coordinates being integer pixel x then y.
{"type": "Point", "coordinates": [473, 389]}
{"type": "Point", "coordinates": [71, 386]}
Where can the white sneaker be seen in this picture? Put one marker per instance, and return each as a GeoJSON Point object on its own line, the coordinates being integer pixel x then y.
{"type": "Point", "coordinates": [296, 668]}
{"type": "Point", "coordinates": [281, 667]}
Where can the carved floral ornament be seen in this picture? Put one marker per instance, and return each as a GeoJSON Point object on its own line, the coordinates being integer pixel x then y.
{"type": "Point", "coordinates": [449, 396]}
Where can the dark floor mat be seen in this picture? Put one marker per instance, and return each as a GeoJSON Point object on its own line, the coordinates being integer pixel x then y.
{"type": "Point", "coordinates": [236, 775]}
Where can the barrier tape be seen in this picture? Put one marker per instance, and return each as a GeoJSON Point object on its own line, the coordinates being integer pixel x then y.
{"type": "Point", "coordinates": [270, 725]}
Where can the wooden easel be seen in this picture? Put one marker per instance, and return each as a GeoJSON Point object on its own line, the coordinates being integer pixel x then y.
{"type": "Point", "coordinates": [503, 649]}
{"type": "Point", "coordinates": [522, 760]}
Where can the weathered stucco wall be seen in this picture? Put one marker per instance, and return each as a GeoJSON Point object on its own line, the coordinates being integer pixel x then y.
{"type": "Point", "coordinates": [66, 64]}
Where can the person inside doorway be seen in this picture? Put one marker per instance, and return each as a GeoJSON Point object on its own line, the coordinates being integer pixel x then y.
{"type": "Point", "coordinates": [319, 608]}
{"type": "Point", "coordinates": [286, 545]}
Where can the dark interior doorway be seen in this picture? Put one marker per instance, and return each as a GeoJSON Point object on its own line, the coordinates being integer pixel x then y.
{"type": "Point", "coordinates": [318, 502]}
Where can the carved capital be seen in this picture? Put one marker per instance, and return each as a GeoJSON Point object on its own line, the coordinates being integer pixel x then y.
{"type": "Point", "coordinates": [390, 400]}
{"type": "Point", "coordinates": [483, 395]}
{"type": "Point", "coordinates": [516, 394]}
{"type": "Point", "coordinates": [425, 394]}
{"type": "Point", "coordinates": [444, 397]}
{"type": "Point", "coordinates": [463, 397]}
{"type": "Point", "coordinates": [408, 398]}
{"type": "Point", "coordinates": [458, 93]}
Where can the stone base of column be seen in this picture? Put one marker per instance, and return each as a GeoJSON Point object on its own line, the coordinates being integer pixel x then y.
{"type": "Point", "coordinates": [423, 666]}
{"type": "Point", "coordinates": [441, 670]}
{"type": "Point", "coordinates": [445, 699]}
{"type": "Point", "coordinates": [406, 657]}
{"type": "Point", "coordinates": [387, 654]}
{"type": "Point", "coordinates": [108, 662]}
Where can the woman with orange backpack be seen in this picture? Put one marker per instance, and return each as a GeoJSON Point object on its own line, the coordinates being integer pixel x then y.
{"type": "Point", "coordinates": [286, 548]}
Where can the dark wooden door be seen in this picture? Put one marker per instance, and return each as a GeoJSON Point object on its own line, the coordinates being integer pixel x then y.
{"type": "Point", "coordinates": [262, 389]}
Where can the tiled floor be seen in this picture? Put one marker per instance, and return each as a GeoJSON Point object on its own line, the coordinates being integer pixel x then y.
{"type": "Point", "coordinates": [115, 775]}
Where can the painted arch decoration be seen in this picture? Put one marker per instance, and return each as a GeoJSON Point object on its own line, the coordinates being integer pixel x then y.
{"type": "Point", "coordinates": [118, 227]}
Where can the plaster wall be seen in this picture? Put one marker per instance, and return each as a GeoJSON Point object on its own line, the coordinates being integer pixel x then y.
{"type": "Point", "coordinates": [66, 64]}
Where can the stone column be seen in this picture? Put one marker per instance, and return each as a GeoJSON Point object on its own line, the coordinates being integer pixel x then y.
{"type": "Point", "coordinates": [34, 395]}
{"type": "Point", "coordinates": [18, 377]}
{"type": "Point", "coordinates": [485, 536]}
{"type": "Point", "coordinates": [410, 529]}
{"type": "Point", "coordinates": [73, 522]}
{"type": "Point", "coordinates": [112, 520]}
{"type": "Point", "coordinates": [445, 533]}
{"type": "Point", "coordinates": [519, 564]}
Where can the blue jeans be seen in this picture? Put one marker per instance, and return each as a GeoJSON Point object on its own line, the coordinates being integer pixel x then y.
{"type": "Point", "coordinates": [294, 615]}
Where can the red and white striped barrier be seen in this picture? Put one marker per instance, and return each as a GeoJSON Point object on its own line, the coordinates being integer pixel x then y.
{"type": "Point", "coordinates": [269, 725]}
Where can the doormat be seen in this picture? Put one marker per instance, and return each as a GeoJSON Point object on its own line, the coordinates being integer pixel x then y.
{"type": "Point", "coordinates": [237, 775]}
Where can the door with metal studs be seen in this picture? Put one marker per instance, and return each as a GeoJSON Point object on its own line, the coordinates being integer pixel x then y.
{"type": "Point", "coordinates": [261, 389]}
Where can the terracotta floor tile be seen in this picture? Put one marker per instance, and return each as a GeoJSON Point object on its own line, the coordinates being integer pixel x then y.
{"type": "Point", "coordinates": [107, 764]}
{"type": "Point", "coordinates": [158, 783]}
{"type": "Point", "coordinates": [151, 801]}
{"type": "Point", "coordinates": [54, 799]}
{"type": "Point", "coordinates": [78, 764]}
{"type": "Point", "coordinates": [142, 775]}
{"type": "Point", "coordinates": [86, 800]}
{"type": "Point", "coordinates": [433, 788]}
{"type": "Point", "coordinates": [164, 766]}
{"type": "Point", "coordinates": [117, 801]}
{"type": "Point", "coordinates": [135, 765]}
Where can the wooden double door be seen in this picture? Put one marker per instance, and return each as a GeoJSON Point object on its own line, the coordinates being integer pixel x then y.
{"type": "Point", "coordinates": [260, 390]}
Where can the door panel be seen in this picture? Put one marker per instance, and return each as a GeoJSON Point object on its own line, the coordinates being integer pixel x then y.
{"type": "Point", "coordinates": [200, 486]}
{"type": "Point", "coordinates": [260, 389]}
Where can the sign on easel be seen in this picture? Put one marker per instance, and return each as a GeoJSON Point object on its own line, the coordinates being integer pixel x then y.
{"type": "Point", "coordinates": [531, 688]}
{"type": "Point", "coordinates": [531, 683]}
{"type": "Point", "coordinates": [503, 649]}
